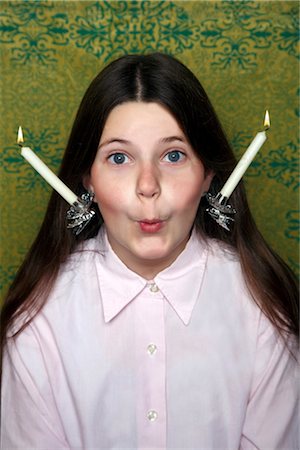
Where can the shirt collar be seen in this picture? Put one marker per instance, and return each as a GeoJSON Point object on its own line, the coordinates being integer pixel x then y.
{"type": "Point", "coordinates": [180, 283]}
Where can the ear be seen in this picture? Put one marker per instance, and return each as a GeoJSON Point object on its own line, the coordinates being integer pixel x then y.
{"type": "Point", "coordinates": [207, 180]}
{"type": "Point", "coordinates": [86, 181]}
{"type": "Point", "coordinates": [87, 184]}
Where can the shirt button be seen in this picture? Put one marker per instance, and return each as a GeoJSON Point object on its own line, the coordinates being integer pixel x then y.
{"type": "Point", "coordinates": [152, 415]}
{"type": "Point", "coordinates": [151, 349]}
{"type": "Point", "coordinates": [154, 288]}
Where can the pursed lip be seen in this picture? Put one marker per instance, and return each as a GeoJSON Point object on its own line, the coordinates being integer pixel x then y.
{"type": "Point", "coordinates": [151, 225]}
{"type": "Point", "coordinates": [151, 221]}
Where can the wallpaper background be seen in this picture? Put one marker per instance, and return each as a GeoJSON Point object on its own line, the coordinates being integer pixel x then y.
{"type": "Point", "coordinates": [245, 53]}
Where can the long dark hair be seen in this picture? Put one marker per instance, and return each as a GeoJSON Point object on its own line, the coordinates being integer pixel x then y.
{"type": "Point", "coordinates": [162, 79]}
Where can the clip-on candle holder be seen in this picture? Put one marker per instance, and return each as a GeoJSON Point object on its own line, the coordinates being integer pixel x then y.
{"type": "Point", "coordinates": [219, 210]}
{"type": "Point", "coordinates": [79, 214]}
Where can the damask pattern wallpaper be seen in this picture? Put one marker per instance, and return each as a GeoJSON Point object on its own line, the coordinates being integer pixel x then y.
{"type": "Point", "coordinates": [245, 53]}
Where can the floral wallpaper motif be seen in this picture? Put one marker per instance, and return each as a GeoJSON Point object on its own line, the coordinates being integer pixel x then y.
{"type": "Point", "coordinates": [13, 162]}
{"type": "Point", "coordinates": [237, 32]}
{"type": "Point", "coordinates": [35, 31]}
{"type": "Point", "coordinates": [245, 53]}
{"type": "Point", "coordinates": [286, 33]}
{"type": "Point", "coordinates": [111, 29]}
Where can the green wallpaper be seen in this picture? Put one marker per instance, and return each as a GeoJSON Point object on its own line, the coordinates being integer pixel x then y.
{"type": "Point", "coordinates": [245, 53]}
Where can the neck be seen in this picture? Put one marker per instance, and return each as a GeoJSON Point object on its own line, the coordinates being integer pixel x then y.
{"type": "Point", "coordinates": [147, 268]}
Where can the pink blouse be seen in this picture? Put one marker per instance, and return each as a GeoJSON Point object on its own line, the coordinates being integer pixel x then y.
{"type": "Point", "coordinates": [185, 361]}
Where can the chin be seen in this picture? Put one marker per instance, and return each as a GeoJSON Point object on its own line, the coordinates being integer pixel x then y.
{"type": "Point", "coordinates": [154, 252]}
{"type": "Point", "coordinates": [151, 253]}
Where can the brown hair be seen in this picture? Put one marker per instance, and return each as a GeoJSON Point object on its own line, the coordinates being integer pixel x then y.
{"type": "Point", "coordinates": [163, 79]}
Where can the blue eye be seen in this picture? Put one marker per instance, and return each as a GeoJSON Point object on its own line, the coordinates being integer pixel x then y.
{"type": "Point", "coordinates": [118, 158]}
{"type": "Point", "coordinates": [174, 156]}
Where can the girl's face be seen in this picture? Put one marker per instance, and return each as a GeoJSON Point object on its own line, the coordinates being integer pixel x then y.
{"type": "Point", "coordinates": [148, 183]}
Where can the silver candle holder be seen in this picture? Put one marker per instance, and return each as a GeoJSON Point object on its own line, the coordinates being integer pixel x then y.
{"type": "Point", "coordinates": [79, 214]}
{"type": "Point", "coordinates": [220, 210]}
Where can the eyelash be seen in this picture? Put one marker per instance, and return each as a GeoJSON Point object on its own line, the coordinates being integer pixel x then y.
{"type": "Point", "coordinates": [124, 156]}
{"type": "Point", "coordinates": [110, 158]}
{"type": "Point", "coordinates": [181, 156]}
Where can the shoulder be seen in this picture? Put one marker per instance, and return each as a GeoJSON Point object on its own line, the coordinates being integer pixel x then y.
{"type": "Point", "coordinates": [219, 251]}
{"type": "Point", "coordinates": [77, 277]}
{"type": "Point", "coordinates": [223, 260]}
{"type": "Point", "coordinates": [225, 284]}
{"type": "Point", "coordinates": [80, 263]}
{"type": "Point", "coordinates": [223, 268]}
{"type": "Point", "coordinates": [77, 281]}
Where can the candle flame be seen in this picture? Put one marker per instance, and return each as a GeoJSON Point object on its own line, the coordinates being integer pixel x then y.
{"type": "Point", "coordinates": [267, 122]}
{"type": "Point", "coordinates": [20, 138]}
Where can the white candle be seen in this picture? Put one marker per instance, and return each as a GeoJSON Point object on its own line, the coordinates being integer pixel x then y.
{"type": "Point", "coordinates": [245, 161]}
{"type": "Point", "coordinates": [46, 173]}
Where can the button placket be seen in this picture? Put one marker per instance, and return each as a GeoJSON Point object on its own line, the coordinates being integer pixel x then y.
{"type": "Point", "coordinates": [151, 380]}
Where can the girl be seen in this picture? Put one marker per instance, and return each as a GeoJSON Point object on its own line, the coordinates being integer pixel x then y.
{"type": "Point", "coordinates": [153, 328]}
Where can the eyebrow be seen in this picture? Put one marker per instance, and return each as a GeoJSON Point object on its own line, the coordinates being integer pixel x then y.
{"type": "Point", "coordinates": [165, 140]}
{"type": "Point", "coordinates": [169, 139]}
{"type": "Point", "coordinates": [110, 141]}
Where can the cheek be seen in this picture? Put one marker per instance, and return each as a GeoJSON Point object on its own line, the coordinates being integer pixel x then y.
{"type": "Point", "coordinates": [108, 193]}
{"type": "Point", "coordinates": [187, 195]}
{"type": "Point", "coordinates": [109, 201]}
{"type": "Point", "coordinates": [109, 205]}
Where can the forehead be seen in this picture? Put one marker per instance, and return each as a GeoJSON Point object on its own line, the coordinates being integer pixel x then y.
{"type": "Point", "coordinates": [140, 119]}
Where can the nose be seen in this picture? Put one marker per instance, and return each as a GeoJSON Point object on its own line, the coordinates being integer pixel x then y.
{"type": "Point", "coordinates": [148, 182]}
